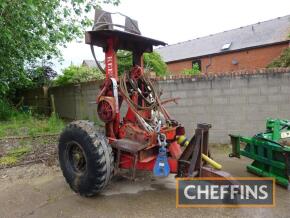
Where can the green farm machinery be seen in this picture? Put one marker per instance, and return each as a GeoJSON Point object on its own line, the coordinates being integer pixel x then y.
{"type": "Point", "coordinates": [270, 151]}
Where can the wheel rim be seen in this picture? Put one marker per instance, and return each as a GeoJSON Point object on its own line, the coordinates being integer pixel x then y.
{"type": "Point", "coordinates": [76, 157]}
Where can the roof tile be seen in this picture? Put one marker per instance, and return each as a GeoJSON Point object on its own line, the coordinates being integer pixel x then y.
{"type": "Point", "coordinates": [259, 34]}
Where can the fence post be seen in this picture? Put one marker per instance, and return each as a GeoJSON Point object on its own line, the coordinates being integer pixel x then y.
{"type": "Point", "coordinates": [52, 104]}
{"type": "Point", "coordinates": [36, 104]}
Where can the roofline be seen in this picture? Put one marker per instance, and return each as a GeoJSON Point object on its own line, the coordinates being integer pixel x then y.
{"type": "Point", "coordinates": [230, 51]}
{"type": "Point", "coordinates": [210, 35]}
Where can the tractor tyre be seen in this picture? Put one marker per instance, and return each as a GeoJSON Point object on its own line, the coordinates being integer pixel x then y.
{"type": "Point", "coordinates": [86, 159]}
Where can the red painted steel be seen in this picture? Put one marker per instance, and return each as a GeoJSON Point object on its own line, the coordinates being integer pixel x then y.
{"type": "Point", "coordinates": [111, 60]}
{"type": "Point", "coordinates": [129, 127]}
{"type": "Point", "coordinates": [126, 162]}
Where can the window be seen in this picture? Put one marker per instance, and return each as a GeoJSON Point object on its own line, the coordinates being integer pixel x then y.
{"type": "Point", "coordinates": [226, 46]}
{"type": "Point", "coordinates": [196, 63]}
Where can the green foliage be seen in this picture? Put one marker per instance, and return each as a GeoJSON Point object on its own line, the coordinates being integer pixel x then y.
{"type": "Point", "coordinates": [194, 71]}
{"type": "Point", "coordinates": [24, 124]}
{"type": "Point", "coordinates": [6, 110]}
{"type": "Point", "coordinates": [282, 61]}
{"type": "Point", "coordinates": [54, 124]}
{"type": "Point", "coordinates": [41, 76]}
{"type": "Point", "coordinates": [19, 151]}
{"type": "Point", "coordinates": [8, 160]}
{"type": "Point", "coordinates": [77, 74]}
{"type": "Point", "coordinates": [152, 62]}
{"type": "Point", "coordinates": [34, 30]}
{"type": "Point", "coordinates": [124, 61]}
{"type": "Point", "coordinates": [14, 155]}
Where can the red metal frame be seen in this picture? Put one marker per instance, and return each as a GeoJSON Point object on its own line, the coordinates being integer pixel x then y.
{"type": "Point", "coordinates": [135, 144]}
{"type": "Point", "coordinates": [111, 60]}
{"type": "Point", "coordinates": [116, 130]}
{"type": "Point", "coordinates": [127, 161]}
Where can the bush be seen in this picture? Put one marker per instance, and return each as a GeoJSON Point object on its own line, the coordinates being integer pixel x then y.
{"type": "Point", "coordinates": [282, 61]}
{"type": "Point", "coordinates": [77, 74]}
{"type": "Point", "coordinates": [152, 62]}
{"type": "Point", "coordinates": [6, 110]}
{"type": "Point", "coordinates": [194, 71]}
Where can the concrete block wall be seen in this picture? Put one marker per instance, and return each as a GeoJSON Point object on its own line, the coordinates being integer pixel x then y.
{"type": "Point", "coordinates": [77, 101]}
{"type": "Point", "coordinates": [65, 101]}
{"type": "Point", "coordinates": [37, 99]}
{"type": "Point", "coordinates": [236, 104]}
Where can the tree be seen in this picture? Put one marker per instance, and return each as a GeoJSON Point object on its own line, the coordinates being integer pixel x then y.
{"type": "Point", "coordinates": [124, 61]}
{"type": "Point", "coordinates": [152, 62]}
{"type": "Point", "coordinates": [42, 76]}
{"type": "Point", "coordinates": [77, 74]}
{"type": "Point", "coordinates": [33, 30]}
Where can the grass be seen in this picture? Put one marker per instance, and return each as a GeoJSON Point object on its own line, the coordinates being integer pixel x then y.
{"type": "Point", "coordinates": [22, 124]}
{"type": "Point", "coordinates": [7, 160]}
{"type": "Point", "coordinates": [14, 155]}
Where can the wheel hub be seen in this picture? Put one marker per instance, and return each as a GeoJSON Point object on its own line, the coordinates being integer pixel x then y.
{"type": "Point", "coordinates": [76, 157]}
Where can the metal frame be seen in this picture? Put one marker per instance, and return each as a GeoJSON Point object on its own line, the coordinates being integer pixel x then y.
{"type": "Point", "coordinates": [133, 140]}
{"type": "Point", "coordinates": [270, 153]}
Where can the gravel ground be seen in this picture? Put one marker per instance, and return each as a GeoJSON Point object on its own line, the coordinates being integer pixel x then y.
{"type": "Point", "coordinates": [43, 149]}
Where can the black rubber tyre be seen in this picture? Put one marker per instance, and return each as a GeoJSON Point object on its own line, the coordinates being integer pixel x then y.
{"type": "Point", "coordinates": [85, 158]}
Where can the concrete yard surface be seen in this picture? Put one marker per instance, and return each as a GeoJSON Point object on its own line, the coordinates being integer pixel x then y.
{"type": "Point", "coordinates": [41, 191]}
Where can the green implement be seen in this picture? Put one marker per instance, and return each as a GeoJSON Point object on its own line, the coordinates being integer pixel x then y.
{"type": "Point", "coordinates": [269, 150]}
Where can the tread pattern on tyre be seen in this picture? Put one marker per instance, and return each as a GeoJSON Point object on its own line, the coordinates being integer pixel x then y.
{"type": "Point", "coordinates": [99, 157]}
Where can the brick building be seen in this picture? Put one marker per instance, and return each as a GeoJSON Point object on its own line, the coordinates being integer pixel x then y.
{"type": "Point", "coordinates": [246, 48]}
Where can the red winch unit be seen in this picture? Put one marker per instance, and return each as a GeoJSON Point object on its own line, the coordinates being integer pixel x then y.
{"type": "Point", "coordinates": [139, 133]}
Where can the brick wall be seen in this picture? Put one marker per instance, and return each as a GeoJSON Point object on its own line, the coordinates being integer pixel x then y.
{"type": "Point", "coordinates": [177, 67]}
{"type": "Point", "coordinates": [237, 102]}
{"type": "Point", "coordinates": [249, 59]}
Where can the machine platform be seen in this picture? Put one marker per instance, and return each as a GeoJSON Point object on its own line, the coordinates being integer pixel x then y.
{"type": "Point", "coordinates": [126, 40]}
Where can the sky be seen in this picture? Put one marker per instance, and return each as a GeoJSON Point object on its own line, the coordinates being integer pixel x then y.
{"type": "Point", "coordinates": [174, 21]}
